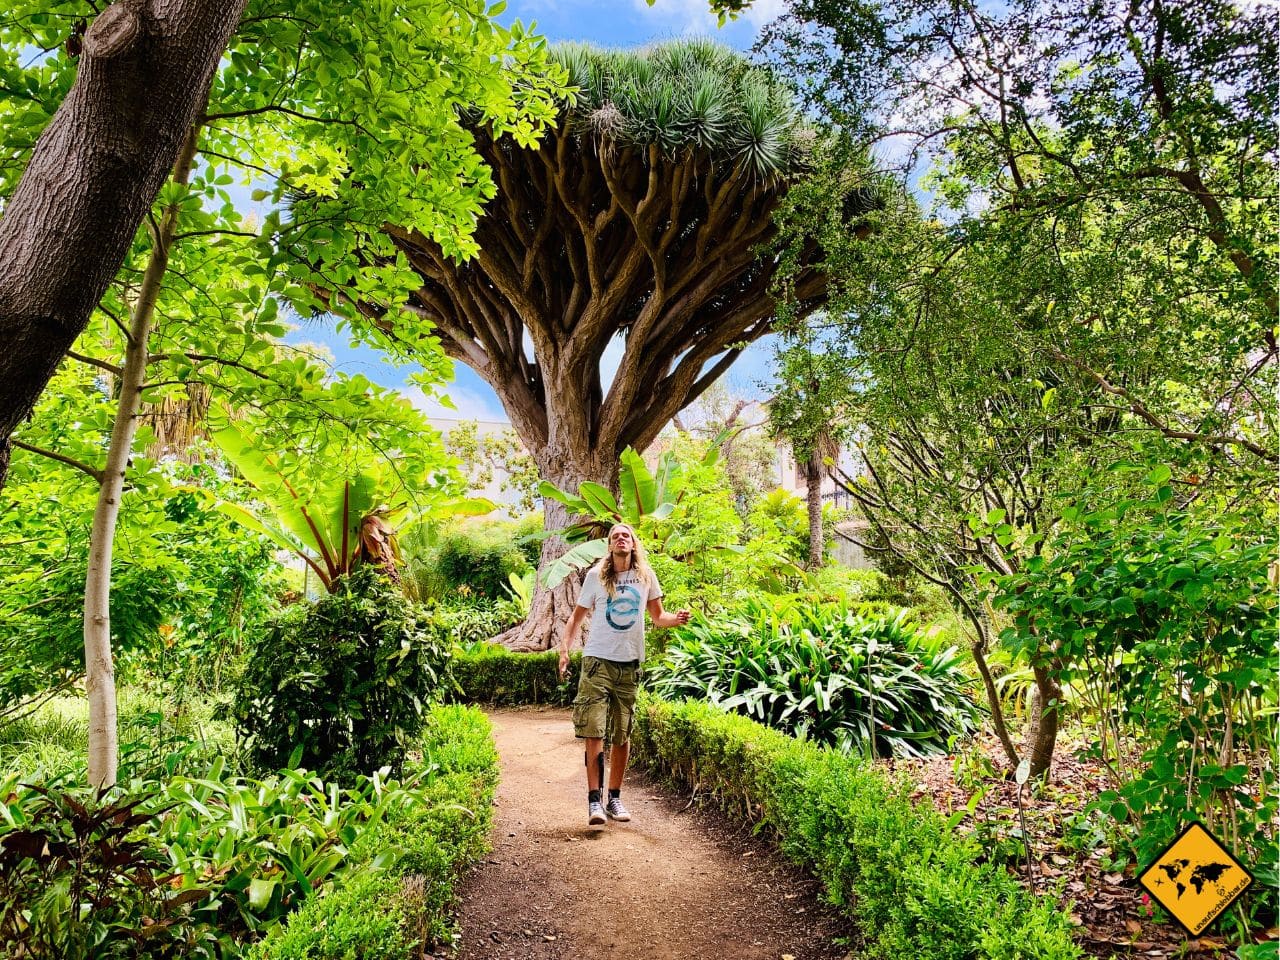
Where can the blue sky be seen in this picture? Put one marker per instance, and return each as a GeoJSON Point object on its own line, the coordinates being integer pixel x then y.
{"type": "Point", "coordinates": [623, 23]}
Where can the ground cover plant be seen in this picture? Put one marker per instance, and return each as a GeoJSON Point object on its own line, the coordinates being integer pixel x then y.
{"type": "Point", "coordinates": [827, 672]}
{"type": "Point", "coordinates": [187, 858]}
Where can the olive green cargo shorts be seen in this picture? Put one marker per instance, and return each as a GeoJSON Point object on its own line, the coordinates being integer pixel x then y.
{"type": "Point", "coordinates": [606, 700]}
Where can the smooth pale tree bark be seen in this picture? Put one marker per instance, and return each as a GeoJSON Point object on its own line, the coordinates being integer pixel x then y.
{"type": "Point", "coordinates": [100, 680]}
{"type": "Point", "coordinates": [144, 76]}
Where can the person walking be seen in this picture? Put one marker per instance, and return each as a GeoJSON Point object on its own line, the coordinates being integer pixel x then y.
{"type": "Point", "coordinates": [616, 593]}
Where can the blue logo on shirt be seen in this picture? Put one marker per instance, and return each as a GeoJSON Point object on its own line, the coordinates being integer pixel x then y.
{"type": "Point", "coordinates": [623, 608]}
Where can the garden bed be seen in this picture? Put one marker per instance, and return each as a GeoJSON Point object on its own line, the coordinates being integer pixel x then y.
{"type": "Point", "coordinates": [1072, 858]}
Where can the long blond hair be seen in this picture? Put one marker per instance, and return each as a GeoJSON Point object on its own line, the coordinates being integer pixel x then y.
{"type": "Point", "coordinates": [609, 576]}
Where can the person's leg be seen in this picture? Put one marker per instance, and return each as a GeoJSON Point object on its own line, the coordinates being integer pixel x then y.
{"type": "Point", "coordinates": [618, 754]}
{"type": "Point", "coordinates": [595, 762]}
{"type": "Point", "coordinates": [590, 718]}
{"type": "Point", "coordinates": [622, 713]}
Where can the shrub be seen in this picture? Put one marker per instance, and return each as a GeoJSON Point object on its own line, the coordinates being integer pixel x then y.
{"type": "Point", "coordinates": [194, 866]}
{"type": "Point", "coordinates": [490, 673]}
{"type": "Point", "coordinates": [410, 862]}
{"type": "Point", "coordinates": [78, 878]}
{"type": "Point", "coordinates": [913, 885]}
{"type": "Point", "coordinates": [342, 684]}
{"type": "Point", "coordinates": [468, 620]}
{"type": "Point", "coordinates": [1163, 620]}
{"type": "Point", "coordinates": [480, 557]}
{"type": "Point", "coordinates": [205, 861]}
{"type": "Point", "coordinates": [826, 672]}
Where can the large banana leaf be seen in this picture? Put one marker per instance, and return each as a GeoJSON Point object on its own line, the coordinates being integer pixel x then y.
{"type": "Point", "coordinates": [277, 535]}
{"type": "Point", "coordinates": [263, 472]}
{"type": "Point", "coordinates": [580, 556]}
{"type": "Point", "coordinates": [600, 500]}
{"type": "Point", "coordinates": [638, 486]}
{"type": "Point", "coordinates": [576, 505]}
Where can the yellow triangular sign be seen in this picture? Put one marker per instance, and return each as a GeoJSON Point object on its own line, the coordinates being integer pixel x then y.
{"type": "Point", "coordinates": [1195, 879]}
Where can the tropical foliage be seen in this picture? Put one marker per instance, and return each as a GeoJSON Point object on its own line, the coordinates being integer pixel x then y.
{"type": "Point", "coordinates": [1161, 615]}
{"type": "Point", "coordinates": [825, 672]}
{"type": "Point", "coordinates": [341, 686]}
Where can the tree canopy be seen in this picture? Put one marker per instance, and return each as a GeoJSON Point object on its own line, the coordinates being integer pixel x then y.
{"type": "Point", "coordinates": [642, 217]}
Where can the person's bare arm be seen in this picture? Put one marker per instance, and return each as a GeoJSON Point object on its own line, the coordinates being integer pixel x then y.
{"type": "Point", "coordinates": [665, 618]}
{"type": "Point", "coordinates": [570, 631]}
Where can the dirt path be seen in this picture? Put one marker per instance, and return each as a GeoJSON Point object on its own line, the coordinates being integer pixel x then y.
{"type": "Point", "coordinates": [669, 885]}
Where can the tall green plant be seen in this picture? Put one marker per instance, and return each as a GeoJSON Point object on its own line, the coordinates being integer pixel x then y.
{"type": "Point", "coordinates": [646, 498]}
{"type": "Point", "coordinates": [325, 517]}
{"type": "Point", "coordinates": [343, 682]}
{"type": "Point", "coordinates": [1163, 617]}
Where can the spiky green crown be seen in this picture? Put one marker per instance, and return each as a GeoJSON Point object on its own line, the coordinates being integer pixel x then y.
{"type": "Point", "coordinates": [686, 95]}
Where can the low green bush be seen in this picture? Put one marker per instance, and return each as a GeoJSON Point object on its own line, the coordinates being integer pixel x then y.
{"type": "Point", "coordinates": [212, 859]}
{"type": "Point", "coordinates": [827, 672]}
{"type": "Point", "coordinates": [468, 620]}
{"type": "Point", "coordinates": [914, 886]}
{"type": "Point", "coordinates": [489, 673]}
{"type": "Point", "coordinates": [342, 682]}
{"type": "Point", "coordinates": [411, 862]}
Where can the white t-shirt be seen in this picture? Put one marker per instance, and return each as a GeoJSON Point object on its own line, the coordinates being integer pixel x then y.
{"type": "Point", "coordinates": [616, 630]}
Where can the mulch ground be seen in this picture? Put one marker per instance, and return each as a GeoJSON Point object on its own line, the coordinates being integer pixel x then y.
{"type": "Point", "coordinates": [1104, 899]}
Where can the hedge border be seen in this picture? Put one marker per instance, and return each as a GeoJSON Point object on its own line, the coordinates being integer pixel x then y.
{"type": "Point", "coordinates": [912, 884]}
{"type": "Point", "coordinates": [491, 674]}
{"type": "Point", "coordinates": [431, 846]}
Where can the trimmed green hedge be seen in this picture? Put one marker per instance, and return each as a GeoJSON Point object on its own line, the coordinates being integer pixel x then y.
{"type": "Point", "coordinates": [490, 673]}
{"type": "Point", "coordinates": [400, 900]}
{"type": "Point", "coordinates": [914, 886]}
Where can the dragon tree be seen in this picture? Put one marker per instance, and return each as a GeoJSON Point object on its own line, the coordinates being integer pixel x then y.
{"type": "Point", "coordinates": [644, 217]}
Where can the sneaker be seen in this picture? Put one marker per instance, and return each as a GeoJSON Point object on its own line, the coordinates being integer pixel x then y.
{"type": "Point", "coordinates": [595, 812]}
{"type": "Point", "coordinates": [616, 810]}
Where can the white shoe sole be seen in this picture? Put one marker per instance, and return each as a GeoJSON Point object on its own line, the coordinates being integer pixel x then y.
{"type": "Point", "coordinates": [626, 818]}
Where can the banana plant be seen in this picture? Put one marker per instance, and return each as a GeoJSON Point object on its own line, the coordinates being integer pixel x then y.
{"type": "Point", "coordinates": [333, 522]}
{"type": "Point", "coordinates": [646, 498]}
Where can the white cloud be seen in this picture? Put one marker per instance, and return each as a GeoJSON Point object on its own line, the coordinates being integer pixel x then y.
{"type": "Point", "coordinates": [681, 16]}
{"type": "Point", "coordinates": [762, 12]}
{"type": "Point", "coordinates": [469, 404]}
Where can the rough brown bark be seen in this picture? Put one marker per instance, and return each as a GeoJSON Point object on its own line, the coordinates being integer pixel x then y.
{"type": "Point", "coordinates": [144, 76]}
{"type": "Point", "coordinates": [813, 490]}
{"type": "Point", "coordinates": [1042, 728]}
{"type": "Point", "coordinates": [589, 239]}
{"type": "Point", "coordinates": [550, 609]}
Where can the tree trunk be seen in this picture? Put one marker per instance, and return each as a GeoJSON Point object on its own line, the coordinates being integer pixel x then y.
{"type": "Point", "coordinates": [813, 485]}
{"type": "Point", "coordinates": [100, 680]}
{"type": "Point", "coordinates": [144, 76]}
{"type": "Point", "coordinates": [550, 609]}
{"type": "Point", "coordinates": [1042, 731]}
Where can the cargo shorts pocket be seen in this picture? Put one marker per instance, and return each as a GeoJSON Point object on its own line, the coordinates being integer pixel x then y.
{"type": "Point", "coordinates": [590, 717]}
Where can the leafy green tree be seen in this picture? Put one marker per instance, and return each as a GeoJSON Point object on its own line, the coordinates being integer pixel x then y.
{"type": "Point", "coordinates": [1086, 288]}
{"type": "Point", "coordinates": [482, 455]}
{"type": "Point", "coordinates": [640, 218]}
{"type": "Point", "coordinates": [336, 492]}
{"type": "Point", "coordinates": [296, 106]}
{"type": "Point", "coordinates": [294, 95]}
{"type": "Point", "coordinates": [809, 412]}
{"type": "Point", "coordinates": [747, 451]}
{"type": "Point", "coordinates": [1158, 608]}
{"type": "Point", "coordinates": [1123, 166]}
